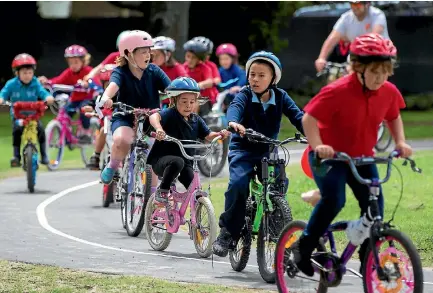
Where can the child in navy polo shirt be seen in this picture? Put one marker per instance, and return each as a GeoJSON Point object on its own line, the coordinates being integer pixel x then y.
{"type": "Point", "coordinates": [354, 105]}
{"type": "Point", "coordinates": [178, 121]}
{"type": "Point", "coordinates": [259, 106]}
{"type": "Point", "coordinates": [136, 83]}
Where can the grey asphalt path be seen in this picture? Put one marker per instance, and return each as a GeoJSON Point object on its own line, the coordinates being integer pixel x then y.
{"type": "Point", "coordinates": [87, 236]}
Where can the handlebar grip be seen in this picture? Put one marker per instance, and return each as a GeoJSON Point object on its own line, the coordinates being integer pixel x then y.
{"type": "Point", "coordinates": [231, 129]}
{"type": "Point", "coordinates": [154, 111]}
{"type": "Point", "coordinates": [153, 134]}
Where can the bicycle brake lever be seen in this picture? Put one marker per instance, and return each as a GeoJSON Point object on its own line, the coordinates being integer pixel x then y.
{"type": "Point", "coordinates": [412, 165]}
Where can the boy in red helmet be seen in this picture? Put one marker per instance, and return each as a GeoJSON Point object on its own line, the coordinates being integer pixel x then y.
{"type": "Point", "coordinates": [25, 87]}
{"type": "Point", "coordinates": [354, 105]}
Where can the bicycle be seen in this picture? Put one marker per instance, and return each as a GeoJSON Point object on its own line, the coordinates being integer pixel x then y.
{"type": "Point", "coordinates": [66, 129]}
{"type": "Point", "coordinates": [266, 203]}
{"type": "Point", "coordinates": [135, 179]}
{"type": "Point", "coordinates": [109, 191]}
{"type": "Point", "coordinates": [22, 112]}
{"type": "Point", "coordinates": [172, 214]}
{"type": "Point", "coordinates": [330, 267]}
{"type": "Point", "coordinates": [384, 138]}
{"type": "Point", "coordinates": [216, 120]}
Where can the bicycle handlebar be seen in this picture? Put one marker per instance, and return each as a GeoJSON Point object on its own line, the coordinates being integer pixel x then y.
{"type": "Point", "coordinates": [254, 135]}
{"type": "Point", "coordinates": [38, 107]}
{"type": "Point", "coordinates": [329, 65]}
{"type": "Point", "coordinates": [353, 162]}
{"type": "Point", "coordinates": [129, 110]}
{"type": "Point", "coordinates": [182, 147]}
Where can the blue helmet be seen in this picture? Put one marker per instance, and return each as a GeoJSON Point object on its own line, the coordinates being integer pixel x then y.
{"type": "Point", "coordinates": [267, 56]}
{"type": "Point", "coordinates": [182, 85]}
{"type": "Point", "coordinates": [198, 48]}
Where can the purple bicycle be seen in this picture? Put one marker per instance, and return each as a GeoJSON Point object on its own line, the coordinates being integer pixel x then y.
{"type": "Point", "coordinates": [396, 268]}
{"type": "Point", "coordinates": [63, 131]}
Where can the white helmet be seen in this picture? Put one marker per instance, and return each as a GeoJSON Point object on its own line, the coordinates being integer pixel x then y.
{"type": "Point", "coordinates": [164, 43]}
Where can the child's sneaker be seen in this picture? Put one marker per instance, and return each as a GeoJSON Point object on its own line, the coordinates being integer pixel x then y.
{"type": "Point", "coordinates": [93, 162]}
{"type": "Point", "coordinates": [161, 196]}
{"type": "Point", "coordinates": [107, 175]}
{"type": "Point", "coordinates": [15, 162]}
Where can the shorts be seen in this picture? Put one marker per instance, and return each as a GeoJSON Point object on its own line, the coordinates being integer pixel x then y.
{"type": "Point", "coordinates": [118, 121]}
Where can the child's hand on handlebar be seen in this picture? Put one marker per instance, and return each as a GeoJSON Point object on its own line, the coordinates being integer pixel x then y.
{"type": "Point", "coordinates": [224, 133]}
{"type": "Point", "coordinates": [43, 79]}
{"type": "Point", "coordinates": [50, 100]}
{"type": "Point", "coordinates": [404, 148]}
{"type": "Point", "coordinates": [160, 134]}
{"type": "Point", "coordinates": [108, 104]}
{"type": "Point", "coordinates": [238, 128]}
{"type": "Point", "coordinates": [325, 151]}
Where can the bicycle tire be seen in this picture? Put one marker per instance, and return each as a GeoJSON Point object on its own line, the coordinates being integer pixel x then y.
{"type": "Point", "coordinates": [411, 251]}
{"type": "Point", "coordinates": [51, 126]}
{"type": "Point", "coordinates": [279, 203]}
{"type": "Point", "coordinates": [146, 189]}
{"type": "Point", "coordinates": [246, 239]}
{"type": "Point", "coordinates": [205, 168]}
{"type": "Point", "coordinates": [205, 202]}
{"type": "Point", "coordinates": [166, 238]}
{"type": "Point", "coordinates": [383, 147]}
{"type": "Point", "coordinates": [122, 190]}
{"type": "Point", "coordinates": [30, 166]}
{"type": "Point", "coordinates": [95, 126]}
{"type": "Point", "coordinates": [108, 194]}
{"type": "Point", "coordinates": [280, 249]}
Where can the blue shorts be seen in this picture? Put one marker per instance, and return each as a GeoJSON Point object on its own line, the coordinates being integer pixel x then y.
{"type": "Point", "coordinates": [118, 121]}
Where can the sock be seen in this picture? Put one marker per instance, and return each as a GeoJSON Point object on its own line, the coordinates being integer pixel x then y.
{"type": "Point", "coordinates": [152, 190]}
{"type": "Point", "coordinates": [114, 164]}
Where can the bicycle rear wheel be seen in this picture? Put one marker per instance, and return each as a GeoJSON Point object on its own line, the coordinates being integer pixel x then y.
{"type": "Point", "coordinates": [384, 138]}
{"type": "Point", "coordinates": [395, 265]}
{"type": "Point", "coordinates": [219, 158]}
{"type": "Point", "coordinates": [277, 219]}
{"type": "Point", "coordinates": [30, 165]}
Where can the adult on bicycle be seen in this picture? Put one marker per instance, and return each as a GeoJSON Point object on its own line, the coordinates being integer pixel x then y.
{"type": "Point", "coordinates": [345, 116]}
{"type": "Point", "coordinates": [259, 106]}
{"type": "Point", "coordinates": [362, 18]}
{"type": "Point", "coordinates": [136, 82]}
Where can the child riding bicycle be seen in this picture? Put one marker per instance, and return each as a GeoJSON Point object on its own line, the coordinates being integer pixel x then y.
{"type": "Point", "coordinates": [259, 106]}
{"type": "Point", "coordinates": [162, 55]}
{"type": "Point", "coordinates": [355, 106]}
{"type": "Point", "coordinates": [136, 82]}
{"type": "Point", "coordinates": [24, 87]}
{"type": "Point", "coordinates": [78, 60]}
{"type": "Point", "coordinates": [179, 122]}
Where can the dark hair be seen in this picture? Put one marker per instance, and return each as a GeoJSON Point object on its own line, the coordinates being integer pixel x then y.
{"type": "Point", "coordinates": [261, 61]}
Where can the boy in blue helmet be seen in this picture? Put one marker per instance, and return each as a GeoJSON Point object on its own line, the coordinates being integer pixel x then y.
{"type": "Point", "coordinates": [178, 121]}
{"type": "Point", "coordinates": [259, 106]}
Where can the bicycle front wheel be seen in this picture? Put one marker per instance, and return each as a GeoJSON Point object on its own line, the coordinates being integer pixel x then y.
{"type": "Point", "coordinates": [400, 262]}
{"type": "Point", "coordinates": [268, 236]}
{"type": "Point", "coordinates": [31, 165]}
{"type": "Point", "coordinates": [204, 234]}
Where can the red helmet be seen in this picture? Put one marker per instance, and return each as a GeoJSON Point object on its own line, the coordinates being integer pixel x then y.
{"type": "Point", "coordinates": [75, 51]}
{"type": "Point", "coordinates": [23, 59]}
{"type": "Point", "coordinates": [105, 73]}
{"type": "Point", "coordinates": [372, 46]}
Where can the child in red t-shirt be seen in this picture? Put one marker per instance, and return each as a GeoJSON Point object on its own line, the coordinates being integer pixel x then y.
{"type": "Point", "coordinates": [162, 56]}
{"type": "Point", "coordinates": [344, 117]}
{"type": "Point", "coordinates": [78, 61]}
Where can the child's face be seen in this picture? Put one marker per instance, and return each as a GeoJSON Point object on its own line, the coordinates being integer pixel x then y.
{"type": "Point", "coordinates": [26, 75]}
{"type": "Point", "coordinates": [158, 57]}
{"type": "Point", "coordinates": [142, 57]}
{"type": "Point", "coordinates": [375, 76]}
{"type": "Point", "coordinates": [191, 59]}
{"type": "Point", "coordinates": [186, 103]}
{"type": "Point", "coordinates": [225, 61]}
{"type": "Point", "coordinates": [75, 63]}
{"type": "Point", "coordinates": [260, 77]}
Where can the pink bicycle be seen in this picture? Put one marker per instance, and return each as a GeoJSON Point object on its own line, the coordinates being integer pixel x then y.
{"type": "Point", "coordinates": [63, 131]}
{"type": "Point", "coordinates": [161, 222]}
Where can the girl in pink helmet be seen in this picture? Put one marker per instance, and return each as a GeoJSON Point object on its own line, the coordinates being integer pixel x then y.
{"type": "Point", "coordinates": [229, 69]}
{"type": "Point", "coordinates": [78, 60]}
{"type": "Point", "coordinates": [136, 82]}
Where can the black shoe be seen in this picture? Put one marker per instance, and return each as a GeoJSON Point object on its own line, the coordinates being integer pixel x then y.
{"type": "Point", "coordinates": [221, 245]}
{"type": "Point", "coordinates": [15, 162]}
{"type": "Point", "coordinates": [93, 163]}
{"type": "Point", "coordinates": [85, 139]}
{"type": "Point", "coordinates": [44, 160]}
{"type": "Point", "coordinates": [302, 258]}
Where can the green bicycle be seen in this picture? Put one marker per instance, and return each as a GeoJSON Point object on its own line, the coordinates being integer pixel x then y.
{"type": "Point", "coordinates": [267, 210]}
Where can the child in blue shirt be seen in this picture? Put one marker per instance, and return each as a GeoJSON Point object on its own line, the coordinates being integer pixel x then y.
{"type": "Point", "coordinates": [229, 69]}
{"type": "Point", "coordinates": [25, 87]}
{"type": "Point", "coordinates": [178, 121]}
{"type": "Point", "coordinates": [136, 82]}
{"type": "Point", "coordinates": [259, 106]}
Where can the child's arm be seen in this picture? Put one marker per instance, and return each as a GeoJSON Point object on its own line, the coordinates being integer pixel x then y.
{"type": "Point", "coordinates": [235, 112]}
{"type": "Point", "coordinates": [204, 131]}
{"type": "Point", "coordinates": [291, 111]}
{"type": "Point", "coordinates": [207, 81]}
{"type": "Point", "coordinates": [63, 78]}
{"type": "Point", "coordinates": [155, 121]}
{"type": "Point", "coordinates": [44, 95]}
{"type": "Point", "coordinates": [5, 93]}
{"type": "Point", "coordinates": [215, 73]}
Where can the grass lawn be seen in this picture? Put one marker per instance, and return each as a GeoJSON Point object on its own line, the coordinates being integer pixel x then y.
{"type": "Point", "coordinates": [417, 124]}
{"type": "Point", "coordinates": [20, 277]}
{"type": "Point", "coordinates": [413, 217]}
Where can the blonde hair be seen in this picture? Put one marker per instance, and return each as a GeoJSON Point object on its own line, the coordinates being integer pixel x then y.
{"type": "Point", "coordinates": [87, 59]}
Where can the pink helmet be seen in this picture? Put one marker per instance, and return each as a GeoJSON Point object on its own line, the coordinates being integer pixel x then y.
{"type": "Point", "coordinates": [75, 51]}
{"type": "Point", "coordinates": [133, 40]}
{"type": "Point", "coordinates": [228, 49]}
